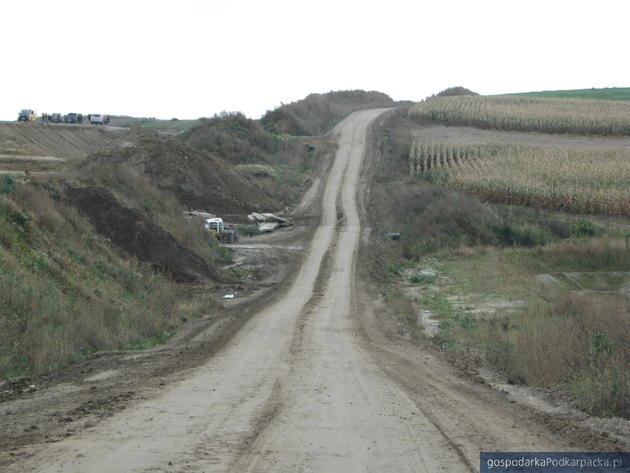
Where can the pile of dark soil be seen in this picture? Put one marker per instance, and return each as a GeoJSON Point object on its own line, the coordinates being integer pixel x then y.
{"type": "Point", "coordinates": [319, 113]}
{"type": "Point", "coordinates": [198, 179]}
{"type": "Point", "coordinates": [138, 236]}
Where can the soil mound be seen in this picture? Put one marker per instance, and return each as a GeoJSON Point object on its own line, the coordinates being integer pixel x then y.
{"type": "Point", "coordinates": [452, 91]}
{"type": "Point", "coordinates": [198, 179]}
{"type": "Point", "coordinates": [319, 113]}
{"type": "Point", "coordinates": [234, 137]}
{"type": "Point", "coordinates": [138, 236]}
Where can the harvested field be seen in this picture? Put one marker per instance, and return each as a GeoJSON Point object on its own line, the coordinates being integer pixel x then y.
{"type": "Point", "coordinates": [468, 135]}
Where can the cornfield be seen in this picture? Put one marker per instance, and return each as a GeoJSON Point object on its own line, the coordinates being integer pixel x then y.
{"type": "Point", "coordinates": [551, 115]}
{"type": "Point", "coordinates": [583, 180]}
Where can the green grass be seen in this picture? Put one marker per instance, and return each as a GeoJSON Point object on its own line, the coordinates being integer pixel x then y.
{"type": "Point", "coordinates": [489, 303]}
{"type": "Point", "coordinates": [65, 292]}
{"type": "Point", "coordinates": [258, 170]}
{"type": "Point", "coordinates": [160, 339]}
{"type": "Point", "coordinates": [608, 93]}
{"type": "Point", "coordinates": [154, 123]}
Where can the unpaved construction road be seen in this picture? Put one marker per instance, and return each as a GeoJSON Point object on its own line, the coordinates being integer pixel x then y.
{"type": "Point", "coordinates": [310, 384]}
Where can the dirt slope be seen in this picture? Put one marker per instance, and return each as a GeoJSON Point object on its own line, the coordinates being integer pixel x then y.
{"type": "Point", "coordinates": [129, 229]}
{"type": "Point", "coordinates": [199, 180]}
{"type": "Point", "coordinates": [306, 384]}
{"type": "Point", "coordinates": [54, 140]}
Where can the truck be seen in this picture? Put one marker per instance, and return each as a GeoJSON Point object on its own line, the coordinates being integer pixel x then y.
{"type": "Point", "coordinates": [71, 118]}
{"type": "Point", "coordinates": [98, 119]}
{"type": "Point", "coordinates": [27, 115]}
{"type": "Point", "coordinates": [217, 228]}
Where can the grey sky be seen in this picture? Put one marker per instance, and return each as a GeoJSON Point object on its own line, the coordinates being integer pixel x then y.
{"type": "Point", "coordinates": [191, 58]}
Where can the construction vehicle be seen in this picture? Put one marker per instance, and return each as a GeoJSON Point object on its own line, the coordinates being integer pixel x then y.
{"type": "Point", "coordinates": [27, 115]}
{"type": "Point", "coordinates": [217, 228]}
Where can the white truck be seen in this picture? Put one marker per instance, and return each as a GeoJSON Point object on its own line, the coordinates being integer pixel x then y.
{"type": "Point", "coordinates": [98, 119]}
{"type": "Point", "coordinates": [217, 227]}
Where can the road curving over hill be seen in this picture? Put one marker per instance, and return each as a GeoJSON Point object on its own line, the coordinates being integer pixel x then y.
{"type": "Point", "coordinates": [309, 383]}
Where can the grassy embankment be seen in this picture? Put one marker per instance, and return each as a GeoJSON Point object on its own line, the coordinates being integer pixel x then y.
{"type": "Point", "coordinates": [172, 125]}
{"type": "Point", "coordinates": [65, 292]}
{"type": "Point", "coordinates": [539, 294]}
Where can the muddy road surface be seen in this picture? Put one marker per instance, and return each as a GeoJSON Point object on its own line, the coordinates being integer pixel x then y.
{"type": "Point", "coordinates": [310, 383]}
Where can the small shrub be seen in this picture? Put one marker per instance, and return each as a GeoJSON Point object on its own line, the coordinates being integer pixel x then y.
{"type": "Point", "coordinates": [526, 235]}
{"type": "Point", "coordinates": [559, 229]}
{"type": "Point", "coordinates": [583, 228]}
{"type": "Point", "coordinates": [600, 344]}
{"type": "Point", "coordinates": [7, 185]}
{"type": "Point", "coordinates": [258, 170]}
{"type": "Point", "coordinates": [425, 276]}
{"type": "Point", "coordinates": [18, 218]}
{"type": "Point", "coordinates": [466, 321]}
{"type": "Point", "coordinates": [436, 176]}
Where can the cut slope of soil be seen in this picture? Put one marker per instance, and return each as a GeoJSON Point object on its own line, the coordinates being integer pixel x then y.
{"type": "Point", "coordinates": [130, 230]}
{"type": "Point", "coordinates": [199, 180]}
{"type": "Point", "coordinates": [57, 140]}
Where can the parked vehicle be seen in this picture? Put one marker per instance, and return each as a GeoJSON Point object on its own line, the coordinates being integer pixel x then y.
{"type": "Point", "coordinates": [55, 118]}
{"type": "Point", "coordinates": [27, 115]}
{"type": "Point", "coordinates": [98, 119]}
{"type": "Point", "coordinates": [71, 118]}
{"type": "Point", "coordinates": [217, 228]}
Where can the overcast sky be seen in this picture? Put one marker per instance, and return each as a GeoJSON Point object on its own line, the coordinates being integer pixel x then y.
{"type": "Point", "coordinates": [192, 58]}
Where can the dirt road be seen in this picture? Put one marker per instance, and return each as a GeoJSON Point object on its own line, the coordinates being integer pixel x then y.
{"type": "Point", "coordinates": [310, 383]}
